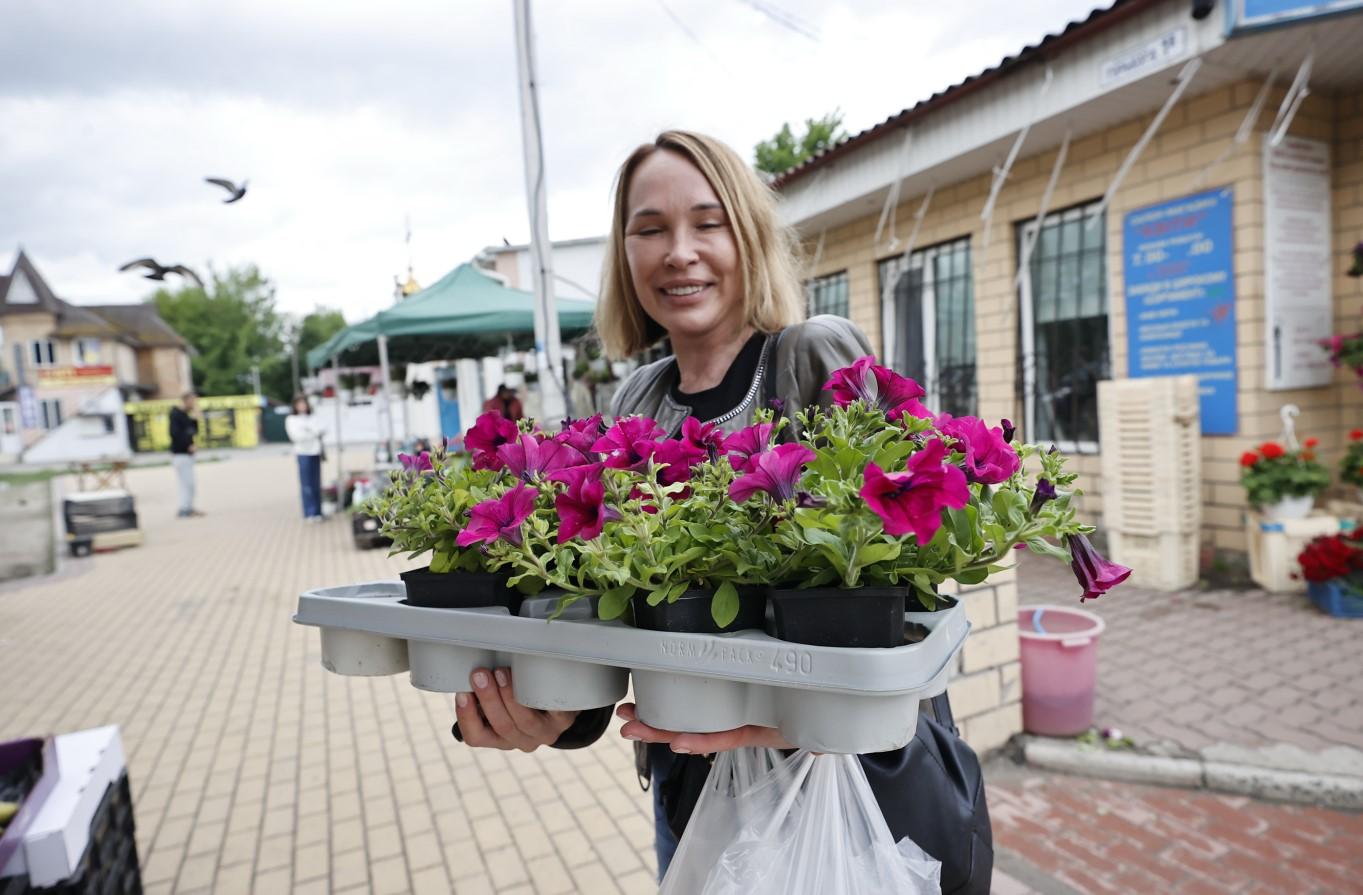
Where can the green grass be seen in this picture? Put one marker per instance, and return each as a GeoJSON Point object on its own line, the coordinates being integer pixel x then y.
{"type": "Point", "coordinates": [27, 478]}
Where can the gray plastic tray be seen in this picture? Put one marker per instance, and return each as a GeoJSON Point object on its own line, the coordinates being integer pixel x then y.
{"type": "Point", "coordinates": [822, 698]}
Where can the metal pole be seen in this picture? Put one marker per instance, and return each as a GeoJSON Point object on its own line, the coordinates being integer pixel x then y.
{"type": "Point", "coordinates": [336, 396]}
{"type": "Point", "coordinates": [387, 400]}
{"type": "Point", "coordinates": [548, 345]}
{"type": "Point", "coordinates": [294, 361]}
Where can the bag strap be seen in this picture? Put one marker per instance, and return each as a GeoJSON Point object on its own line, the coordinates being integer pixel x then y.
{"type": "Point", "coordinates": [941, 711]}
{"type": "Point", "coordinates": [769, 374]}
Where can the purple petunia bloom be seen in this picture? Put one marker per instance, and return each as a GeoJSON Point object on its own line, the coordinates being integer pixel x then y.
{"type": "Point", "coordinates": [581, 434]}
{"type": "Point", "coordinates": [878, 386]}
{"type": "Point", "coordinates": [913, 500]}
{"type": "Point", "coordinates": [706, 436]}
{"type": "Point", "coordinates": [499, 518]}
{"type": "Point", "coordinates": [582, 510]}
{"type": "Point", "coordinates": [491, 431]}
{"type": "Point", "coordinates": [1045, 492]}
{"type": "Point", "coordinates": [530, 458]}
{"type": "Point", "coordinates": [746, 445]}
{"type": "Point", "coordinates": [680, 456]}
{"type": "Point", "coordinates": [628, 444]}
{"type": "Point", "coordinates": [776, 472]}
{"type": "Point", "coordinates": [989, 458]}
{"type": "Point", "coordinates": [1096, 575]}
{"type": "Point", "coordinates": [1009, 430]}
{"type": "Point", "coordinates": [420, 463]}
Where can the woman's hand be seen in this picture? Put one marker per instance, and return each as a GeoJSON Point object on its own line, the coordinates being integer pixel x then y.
{"type": "Point", "coordinates": [699, 743]}
{"type": "Point", "coordinates": [491, 717]}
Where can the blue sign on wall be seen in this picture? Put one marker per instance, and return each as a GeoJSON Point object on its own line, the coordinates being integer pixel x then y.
{"type": "Point", "coordinates": [1180, 298]}
{"type": "Point", "coordinates": [1247, 14]}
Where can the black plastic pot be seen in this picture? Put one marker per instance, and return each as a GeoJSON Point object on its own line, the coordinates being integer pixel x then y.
{"type": "Point", "coordinates": [690, 614]}
{"type": "Point", "coordinates": [828, 616]}
{"type": "Point", "coordinates": [460, 590]}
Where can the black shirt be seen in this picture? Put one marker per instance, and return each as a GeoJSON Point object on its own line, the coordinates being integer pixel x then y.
{"type": "Point", "coordinates": [715, 402]}
{"type": "Point", "coordinates": [183, 428]}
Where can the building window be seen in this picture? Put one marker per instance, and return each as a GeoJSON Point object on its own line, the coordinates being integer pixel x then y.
{"type": "Point", "coordinates": [43, 353]}
{"type": "Point", "coordinates": [928, 312]}
{"type": "Point", "coordinates": [1064, 328]}
{"type": "Point", "coordinates": [51, 413]}
{"type": "Point", "coordinates": [87, 352]}
{"type": "Point", "coordinates": [827, 295]}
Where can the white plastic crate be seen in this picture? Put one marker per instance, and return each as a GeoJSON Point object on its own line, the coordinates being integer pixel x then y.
{"type": "Point", "coordinates": [1274, 546]}
{"type": "Point", "coordinates": [1165, 561]}
{"type": "Point", "coordinates": [1150, 431]}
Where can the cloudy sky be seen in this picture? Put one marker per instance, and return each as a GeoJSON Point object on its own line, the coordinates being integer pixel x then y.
{"type": "Point", "coordinates": [348, 117]}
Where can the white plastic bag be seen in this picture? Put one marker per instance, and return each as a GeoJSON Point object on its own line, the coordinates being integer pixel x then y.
{"type": "Point", "coordinates": [768, 825]}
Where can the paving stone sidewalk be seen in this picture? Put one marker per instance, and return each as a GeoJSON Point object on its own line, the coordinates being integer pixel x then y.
{"type": "Point", "coordinates": [1238, 675]}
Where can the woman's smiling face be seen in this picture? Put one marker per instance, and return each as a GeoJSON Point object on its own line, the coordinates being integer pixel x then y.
{"type": "Point", "coordinates": [682, 256]}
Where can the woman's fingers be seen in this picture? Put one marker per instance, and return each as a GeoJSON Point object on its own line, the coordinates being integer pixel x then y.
{"type": "Point", "coordinates": [698, 743]}
{"type": "Point", "coordinates": [634, 729]}
{"type": "Point", "coordinates": [543, 727]}
{"type": "Point", "coordinates": [472, 727]}
{"type": "Point", "coordinates": [498, 718]}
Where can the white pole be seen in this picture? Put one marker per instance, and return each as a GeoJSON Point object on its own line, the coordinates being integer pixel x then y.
{"type": "Point", "coordinates": [336, 396]}
{"type": "Point", "coordinates": [548, 346]}
{"type": "Point", "coordinates": [387, 405]}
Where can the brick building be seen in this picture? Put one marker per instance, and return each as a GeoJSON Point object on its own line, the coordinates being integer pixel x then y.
{"type": "Point", "coordinates": [898, 225]}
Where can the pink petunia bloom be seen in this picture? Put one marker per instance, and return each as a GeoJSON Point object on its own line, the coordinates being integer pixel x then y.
{"type": "Point", "coordinates": [877, 386]}
{"type": "Point", "coordinates": [706, 436]}
{"type": "Point", "coordinates": [1095, 574]}
{"type": "Point", "coordinates": [680, 457]}
{"type": "Point", "coordinates": [499, 518]}
{"type": "Point", "coordinates": [491, 431]}
{"type": "Point", "coordinates": [582, 510]}
{"type": "Point", "coordinates": [628, 444]}
{"type": "Point", "coordinates": [777, 473]}
{"type": "Point", "coordinates": [989, 458]}
{"type": "Point", "coordinates": [913, 500]}
{"type": "Point", "coordinates": [581, 434]}
{"type": "Point", "coordinates": [745, 445]}
{"type": "Point", "coordinates": [420, 463]}
{"type": "Point", "coordinates": [531, 458]}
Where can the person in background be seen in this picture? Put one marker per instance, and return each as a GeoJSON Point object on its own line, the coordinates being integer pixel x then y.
{"type": "Point", "coordinates": [306, 434]}
{"type": "Point", "coordinates": [184, 428]}
{"type": "Point", "coordinates": [505, 403]}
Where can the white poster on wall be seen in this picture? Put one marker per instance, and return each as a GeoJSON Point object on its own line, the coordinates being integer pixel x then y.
{"type": "Point", "coordinates": [1297, 271]}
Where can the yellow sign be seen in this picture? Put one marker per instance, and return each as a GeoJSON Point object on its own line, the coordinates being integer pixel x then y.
{"type": "Point", "coordinates": [224, 421]}
{"type": "Point", "coordinates": [76, 377]}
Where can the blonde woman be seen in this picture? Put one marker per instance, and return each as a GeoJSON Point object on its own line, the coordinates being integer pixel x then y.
{"type": "Point", "coordinates": [696, 255]}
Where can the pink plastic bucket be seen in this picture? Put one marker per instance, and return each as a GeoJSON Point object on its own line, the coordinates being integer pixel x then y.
{"type": "Point", "coordinates": [1059, 668]}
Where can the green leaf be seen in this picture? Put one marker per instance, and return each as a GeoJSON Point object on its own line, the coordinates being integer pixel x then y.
{"type": "Point", "coordinates": [1043, 547]}
{"type": "Point", "coordinates": [724, 605]}
{"type": "Point", "coordinates": [441, 562]}
{"type": "Point", "coordinates": [972, 576]}
{"type": "Point", "coordinates": [874, 553]}
{"type": "Point", "coordinates": [657, 596]}
{"type": "Point", "coordinates": [613, 602]}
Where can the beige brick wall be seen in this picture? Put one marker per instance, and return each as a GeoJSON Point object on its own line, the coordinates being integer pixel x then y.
{"type": "Point", "coordinates": [1195, 132]}
{"type": "Point", "coordinates": [165, 368]}
{"type": "Point", "coordinates": [21, 330]}
{"type": "Point", "coordinates": [986, 688]}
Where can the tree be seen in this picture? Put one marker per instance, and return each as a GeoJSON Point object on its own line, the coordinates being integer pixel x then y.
{"type": "Point", "coordinates": [277, 373]}
{"type": "Point", "coordinates": [232, 324]}
{"type": "Point", "coordinates": [783, 152]}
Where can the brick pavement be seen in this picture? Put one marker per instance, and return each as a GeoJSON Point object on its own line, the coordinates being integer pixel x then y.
{"type": "Point", "coordinates": [1262, 678]}
{"type": "Point", "coordinates": [1097, 836]}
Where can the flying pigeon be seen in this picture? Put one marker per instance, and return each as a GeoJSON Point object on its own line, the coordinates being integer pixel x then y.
{"type": "Point", "coordinates": [157, 271]}
{"type": "Point", "coordinates": [236, 191]}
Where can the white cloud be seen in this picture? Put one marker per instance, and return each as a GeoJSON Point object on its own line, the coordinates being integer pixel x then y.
{"type": "Point", "coordinates": [347, 117]}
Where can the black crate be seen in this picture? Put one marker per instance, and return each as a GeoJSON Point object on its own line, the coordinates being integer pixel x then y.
{"type": "Point", "coordinates": [84, 526]}
{"type": "Point", "coordinates": [109, 865]}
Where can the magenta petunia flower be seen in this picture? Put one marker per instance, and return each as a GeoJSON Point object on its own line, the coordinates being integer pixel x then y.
{"type": "Point", "coordinates": [581, 434]}
{"type": "Point", "coordinates": [706, 436]}
{"type": "Point", "coordinates": [628, 444]}
{"type": "Point", "coordinates": [989, 458]}
{"type": "Point", "coordinates": [913, 500]}
{"type": "Point", "coordinates": [530, 458]}
{"type": "Point", "coordinates": [491, 431]}
{"type": "Point", "coordinates": [1096, 575]}
{"type": "Point", "coordinates": [680, 455]}
{"type": "Point", "coordinates": [776, 472]}
{"type": "Point", "coordinates": [878, 386]}
{"type": "Point", "coordinates": [420, 463]}
{"type": "Point", "coordinates": [744, 446]}
{"type": "Point", "coordinates": [499, 518]}
{"type": "Point", "coordinates": [582, 510]}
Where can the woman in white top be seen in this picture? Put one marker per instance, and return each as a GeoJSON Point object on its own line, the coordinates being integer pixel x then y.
{"type": "Point", "coordinates": [306, 434]}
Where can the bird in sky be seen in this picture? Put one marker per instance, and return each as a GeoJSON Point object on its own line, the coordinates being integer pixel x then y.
{"type": "Point", "coordinates": [236, 191]}
{"type": "Point", "coordinates": [157, 271]}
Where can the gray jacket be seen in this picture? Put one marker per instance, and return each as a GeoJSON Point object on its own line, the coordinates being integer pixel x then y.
{"type": "Point", "coordinates": [801, 358]}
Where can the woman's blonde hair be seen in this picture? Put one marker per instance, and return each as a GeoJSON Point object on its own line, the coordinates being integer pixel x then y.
{"type": "Point", "coordinates": [772, 295]}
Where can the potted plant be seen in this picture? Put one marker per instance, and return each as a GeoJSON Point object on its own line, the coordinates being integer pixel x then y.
{"type": "Point", "coordinates": [1283, 483]}
{"type": "Point", "coordinates": [1351, 464]}
{"type": "Point", "coordinates": [1333, 569]}
{"type": "Point", "coordinates": [418, 388]}
{"type": "Point", "coordinates": [426, 509]}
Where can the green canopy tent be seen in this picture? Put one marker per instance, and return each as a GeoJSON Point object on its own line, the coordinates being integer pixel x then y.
{"type": "Point", "coordinates": [464, 314]}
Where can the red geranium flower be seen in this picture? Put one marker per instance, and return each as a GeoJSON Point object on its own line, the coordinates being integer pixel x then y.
{"type": "Point", "coordinates": [1356, 434]}
{"type": "Point", "coordinates": [1271, 450]}
{"type": "Point", "coordinates": [1311, 442]}
{"type": "Point", "coordinates": [1249, 458]}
